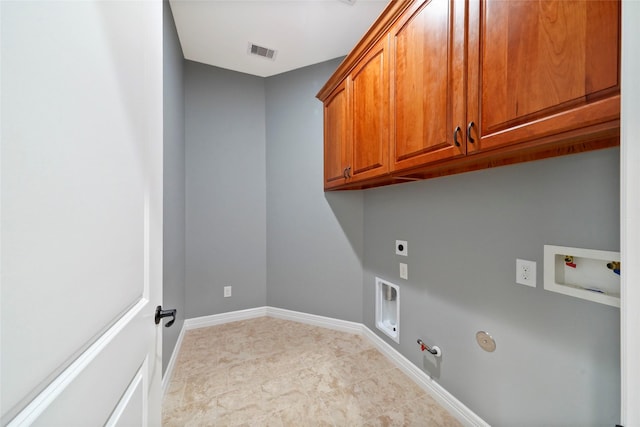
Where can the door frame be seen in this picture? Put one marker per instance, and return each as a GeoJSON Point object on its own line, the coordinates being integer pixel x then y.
{"type": "Point", "coordinates": [630, 217]}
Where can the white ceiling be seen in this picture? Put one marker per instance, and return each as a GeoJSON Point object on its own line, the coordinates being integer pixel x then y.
{"type": "Point", "coordinates": [303, 32]}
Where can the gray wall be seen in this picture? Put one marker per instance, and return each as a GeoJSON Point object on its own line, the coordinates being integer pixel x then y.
{"type": "Point", "coordinates": [314, 240]}
{"type": "Point", "coordinates": [174, 183]}
{"type": "Point", "coordinates": [226, 190]}
{"type": "Point", "coordinates": [307, 246]}
{"type": "Point", "coordinates": [557, 357]}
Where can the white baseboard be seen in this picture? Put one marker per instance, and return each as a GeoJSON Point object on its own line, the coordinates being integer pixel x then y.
{"type": "Point", "coordinates": [463, 414]}
{"type": "Point", "coordinates": [219, 319]}
{"type": "Point", "coordinates": [168, 374]}
{"type": "Point", "coordinates": [315, 320]}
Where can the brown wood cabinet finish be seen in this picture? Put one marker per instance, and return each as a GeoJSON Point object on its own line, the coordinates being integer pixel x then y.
{"type": "Point", "coordinates": [540, 68]}
{"type": "Point", "coordinates": [370, 106]}
{"type": "Point", "coordinates": [427, 83]}
{"type": "Point", "coordinates": [357, 122]}
{"type": "Point", "coordinates": [470, 85]}
{"type": "Point", "coordinates": [336, 135]}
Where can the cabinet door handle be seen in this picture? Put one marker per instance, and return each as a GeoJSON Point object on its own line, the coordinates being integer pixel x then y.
{"type": "Point", "coordinates": [456, 131]}
{"type": "Point", "coordinates": [349, 172]}
{"type": "Point", "coordinates": [469, 138]}
{"type": "Point", "coordinates": [344, 173]}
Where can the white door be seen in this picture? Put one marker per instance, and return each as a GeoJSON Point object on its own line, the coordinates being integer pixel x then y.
{"type": "Point", "coordinates": [81, 213]}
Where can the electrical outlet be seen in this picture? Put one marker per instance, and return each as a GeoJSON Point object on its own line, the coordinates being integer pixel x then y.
{"type": "Point", "coordinates": [526, 272]}
{"type": "Point", "coordinates": [227, 291]}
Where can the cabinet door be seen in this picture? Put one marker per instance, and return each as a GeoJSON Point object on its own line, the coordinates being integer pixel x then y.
{"type": "Point", "coordinates": [541, 68]}
{"type": "Point", "coordinates": [336, 137]}
{"type": "Point", "coordinates": [370, 104]}
{"type": "Point", "coordinates": [427, 84]}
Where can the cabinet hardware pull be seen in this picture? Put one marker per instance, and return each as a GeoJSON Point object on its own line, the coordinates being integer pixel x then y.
{"type": "Point", "coordinates": [344, 173]}
{"type": "Point", "coordinates": [469, 138]}
{"type": "Point", "coordinates": [455, 136]}
{"type": "Point", "coordinates": [349, 172]}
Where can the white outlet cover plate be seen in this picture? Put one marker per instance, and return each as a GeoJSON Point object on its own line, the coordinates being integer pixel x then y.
{"type": "Point", "coordinates": [526, 272]}
{"type": "Point", "coordinates": [404, 271]}
{"type": "Point", "coordinates": [401, 248]}
{"type": "Point", "coordinates": [227, 291]}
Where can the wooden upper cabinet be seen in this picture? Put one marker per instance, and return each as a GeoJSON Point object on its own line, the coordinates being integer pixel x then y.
{"type": "Point", "coordinates": [427, 83]}
{"type": "Point", "coordinates": [356, 122]}
{"type": "Point", "coordinates": [336, 137]}
{"type": "Point", "coordinates": [370, 117]}
{"type": "Point", "coordinates": [541, 68]}
{"type": "Point", "coordinates": [438, 87]}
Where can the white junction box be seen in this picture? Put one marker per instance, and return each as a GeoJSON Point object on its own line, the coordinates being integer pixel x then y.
{"type": "Point", "coordinates": [589, 274]}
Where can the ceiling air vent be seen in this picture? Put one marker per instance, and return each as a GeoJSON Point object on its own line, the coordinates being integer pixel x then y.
{"type": "Point", "coordinates": [264, 52]}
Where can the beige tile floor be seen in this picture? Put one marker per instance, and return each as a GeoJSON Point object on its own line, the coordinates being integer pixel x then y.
{"type": "Point", "coordinates": [273, 372]}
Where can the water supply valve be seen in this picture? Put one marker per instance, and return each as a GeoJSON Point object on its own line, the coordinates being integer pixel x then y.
{"type": "Point", "coordinates": [435, 350]}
